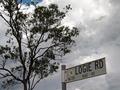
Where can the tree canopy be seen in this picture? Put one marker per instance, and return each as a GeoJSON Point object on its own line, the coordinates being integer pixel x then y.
{"type": "Point", "coordinates": [36, 41]}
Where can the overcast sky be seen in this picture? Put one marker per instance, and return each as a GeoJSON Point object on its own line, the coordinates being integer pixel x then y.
{"type": "Point", "coordinates": [99, 25]}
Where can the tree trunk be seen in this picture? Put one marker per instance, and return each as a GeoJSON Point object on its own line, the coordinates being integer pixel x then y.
{"type": "Point", "coordinates": [25, 85]}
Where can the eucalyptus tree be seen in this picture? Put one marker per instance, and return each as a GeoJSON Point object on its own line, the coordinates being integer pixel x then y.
{"type": "Point", "coordinates": [36, 42]}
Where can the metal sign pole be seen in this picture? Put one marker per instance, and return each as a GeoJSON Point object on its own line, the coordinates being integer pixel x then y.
{"type": "Point", "coordinates": [63, 67]}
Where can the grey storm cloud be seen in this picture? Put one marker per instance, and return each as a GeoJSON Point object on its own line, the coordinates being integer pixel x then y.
{"type": "Point", "coordinates": [99, 37]}
{"type": "Point", "coordinates": [115, 2]}
{"type": "Point", "coordinates": [104, 40]}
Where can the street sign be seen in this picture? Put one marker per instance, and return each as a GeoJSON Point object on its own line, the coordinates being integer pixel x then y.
{"type": "Point", "coordinates": [84, 71]}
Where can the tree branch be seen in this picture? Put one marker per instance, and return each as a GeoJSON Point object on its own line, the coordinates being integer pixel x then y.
{"type": "Point", "coordinates": [35, 84]}
{"type": "Point", "coordinates": [5, 19]}
{"type": "Point", "coordinates": [4, 69]}
{"type": "Point", "coordinates": [4, 76]}
{"type": "Point", "coordinates": [47, 48]}
{"type": "Point", "coordinates": [33, 81]}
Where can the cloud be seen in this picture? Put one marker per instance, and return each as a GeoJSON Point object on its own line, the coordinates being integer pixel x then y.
{"type": "Point", "coordinates": [99, 38]}
{"type": "Point", "coordinates": [2, 31]}
{"type": "Point", "coordinates": [106, 42]}
{"type": "Point", "coordinates": [99, 25]}
{"type": "Point", "coordinates": [96, 40]}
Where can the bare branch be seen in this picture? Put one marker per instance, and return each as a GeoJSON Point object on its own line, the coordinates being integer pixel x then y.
{"type": "Point", "coordinates": [33, 81]}
{"type": "Point", "coordinates": [5, 19]}
{"type": "Point", "coordinates": [4, 69]}
{"type": "Point", "coordinates": [4, 75]}
{"type": "Point", "coordinates": [36, 83]}
{"type": "Point", "coordinates": [47, 48]}
{"type": "Point", "coordinates": [38, 43]}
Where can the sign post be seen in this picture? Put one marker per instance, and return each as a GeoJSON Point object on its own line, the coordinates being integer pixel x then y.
{"type": "Point", "coordinates": [63, 67]}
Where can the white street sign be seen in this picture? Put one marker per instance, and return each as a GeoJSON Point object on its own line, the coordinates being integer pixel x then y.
{"type": "Point", "coordinates": [84, 71]}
